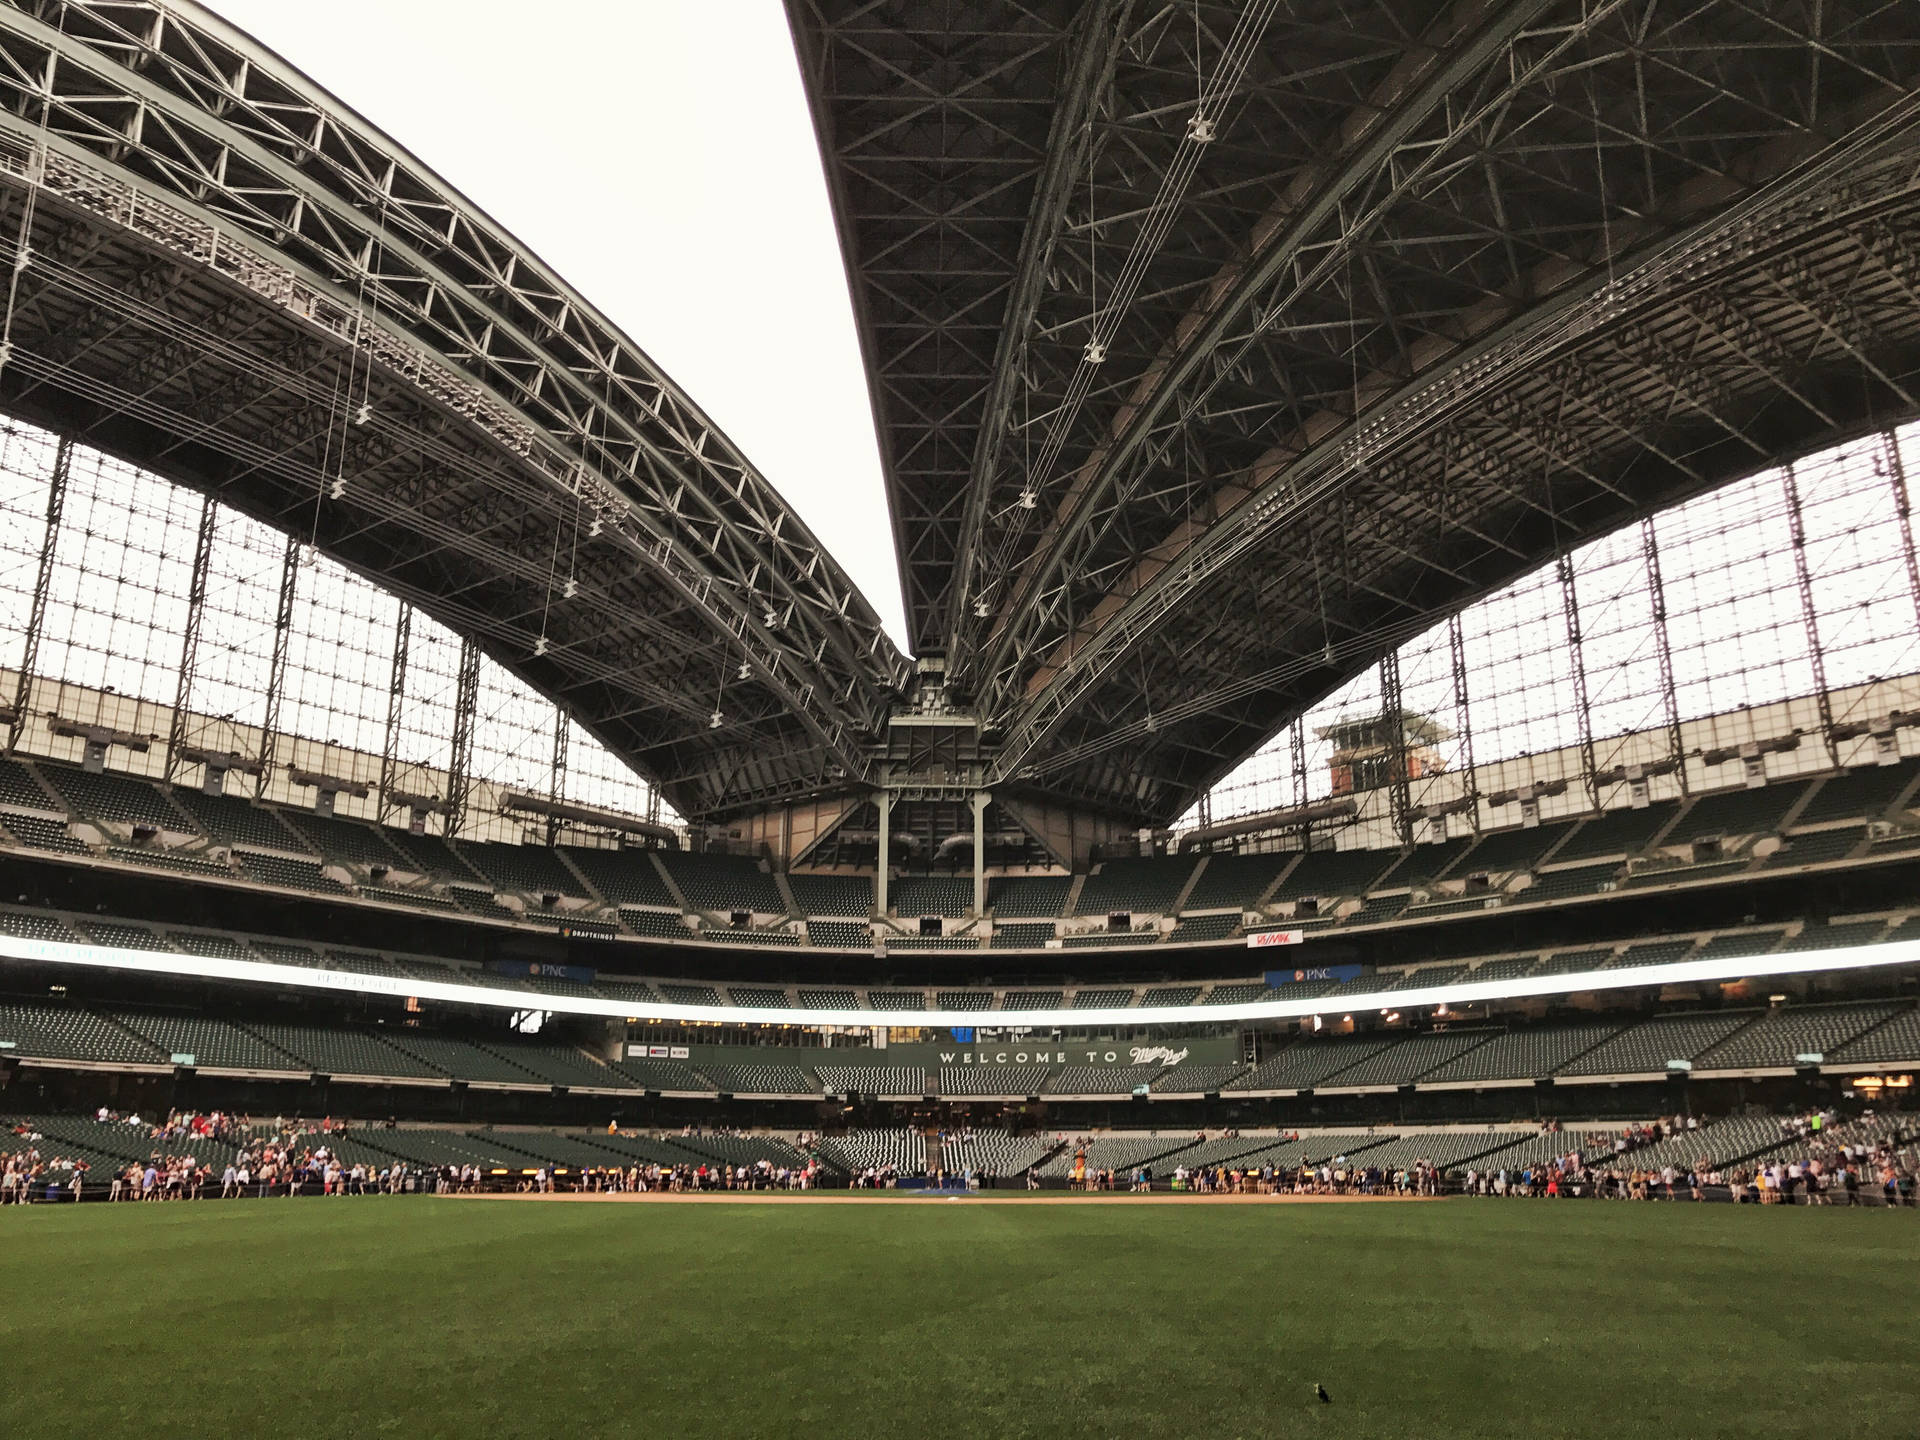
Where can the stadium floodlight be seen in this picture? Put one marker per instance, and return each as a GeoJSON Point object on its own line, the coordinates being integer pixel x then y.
{"type": "Point", "coordinates": [1095, 352]}
{"type": "Point", "coordinates": [1201, 129]}
{"type": "Point", "coordinates": [745, 672]}
{"type": "Point", "coordinates": [570, 589]}
{"type": "Point", "coordinates": [362, 414]}
{"type": "Point", "coordinates": [337, 489]}
{"type": "Point", "coordinates": [539, 647]}
{"type": "Point", "coordinates": [716, 720]}
{"type": "Point", "coordinates": [1028, 500]}
{"type": "Point", "coordinates": [981, 609]}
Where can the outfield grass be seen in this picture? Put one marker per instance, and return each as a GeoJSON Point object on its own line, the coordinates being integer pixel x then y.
{"type": "Point", "coordinates": [424, 1317]}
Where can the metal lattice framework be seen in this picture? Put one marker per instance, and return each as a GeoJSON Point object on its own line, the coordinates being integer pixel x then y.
{"type": "Point", "coordinates": [225, 276]}
{"type": "Point", "coordinates": [1217, 348]}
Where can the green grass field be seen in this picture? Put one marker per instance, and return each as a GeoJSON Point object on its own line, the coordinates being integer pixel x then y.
{"type": "Point", "coordinates": [425, 1317]}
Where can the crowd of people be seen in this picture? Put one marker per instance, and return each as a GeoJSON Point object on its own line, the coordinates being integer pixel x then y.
{"type": "Point", "coordinates": [1826, 1167]}
{"type": "Point", "coordinates": [684, 1178]}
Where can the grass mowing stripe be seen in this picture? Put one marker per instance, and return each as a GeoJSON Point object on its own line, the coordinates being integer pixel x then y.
{"type": "Point", "coordinates": [425, 1317]}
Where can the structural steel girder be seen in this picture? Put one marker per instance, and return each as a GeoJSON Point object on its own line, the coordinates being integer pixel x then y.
{"type": "Point", "coordinates": [236, 280]}
{"type": "Point", "coordinates": [1449, 290]}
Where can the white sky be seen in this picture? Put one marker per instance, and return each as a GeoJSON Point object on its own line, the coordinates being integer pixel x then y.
{"type": "Point", "coordinates": [658, 154]}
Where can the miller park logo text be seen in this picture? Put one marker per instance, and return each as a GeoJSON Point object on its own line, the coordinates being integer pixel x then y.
{"type": "Point", "coordinates": [1133, 1055]}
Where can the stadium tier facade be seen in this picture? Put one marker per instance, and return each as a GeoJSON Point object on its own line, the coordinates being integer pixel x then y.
{"type": "Point", "coordinates": [1408, 556]}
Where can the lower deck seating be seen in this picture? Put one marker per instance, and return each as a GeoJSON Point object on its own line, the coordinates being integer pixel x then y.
{"type": "Point", "coordinates": [881, 1080]}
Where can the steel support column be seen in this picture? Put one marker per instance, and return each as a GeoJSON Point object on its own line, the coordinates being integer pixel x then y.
{"type": "Point", "coordinates": [885, 802]}
{"type": "Point", "coordinates": [1903, 507]}
{"type": "Point", "coordinates": [1393, 713]}
{"type": "Point", "coordinates": [1297, 742]}
{"type": "Point", "coordinates": [396, 705]}
{"type": "Point", "coordinates": [978, 802]}
{"type": "Point", "coordinates": [466, 707]}
{"type": "Point", "coordinates": [1797, 524]}
{"type": "Point", "coordinates": [1576, 654]}
{"type": "Point", "coordinates": [42, 581]}
{"type": "Point", "coordinates": [190, 634]}
{"type": "Point", "coordinates": [557, 782]}
{"type": "Point", "coordinates": [1457, 653]}
{"type": "Point", "coordinates": [1663, 650]}
{"type": "Point", "coordinates": [277, 667]}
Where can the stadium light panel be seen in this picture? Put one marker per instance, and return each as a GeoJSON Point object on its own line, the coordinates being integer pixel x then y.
{"type": "Point", "coordinates": [1805, 962]}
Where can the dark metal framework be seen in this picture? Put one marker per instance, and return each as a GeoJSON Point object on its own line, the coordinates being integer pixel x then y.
{"type": "Point", "coordinates": [1449, 290]}
{"type": "Point", "coordinates": [232, 280]}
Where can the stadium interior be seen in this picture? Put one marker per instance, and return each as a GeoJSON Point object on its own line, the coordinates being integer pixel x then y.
{"type": "Point", "coordinates": [1414, 625]}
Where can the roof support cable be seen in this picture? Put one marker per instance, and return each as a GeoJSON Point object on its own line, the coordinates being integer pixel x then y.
{"type": "Point", "coordinates": [1249, 29]}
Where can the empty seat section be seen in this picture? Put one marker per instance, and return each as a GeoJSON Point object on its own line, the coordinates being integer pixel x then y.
{"type": "Point", "coordinates": [201, 942]}
{"type": "Point", "coordinates": [429, 854]}
{"type": "Point", "coordinates": [118, 936]}
{"type": "Point", "coordinates": [1569, 883]}
{"type": "Point", "coordinates": [825, 895]}
{"type": "Point", "coordinates": [1507, 967]}
{"type": "Point", "coordinates": [18, 787]}
{"type": "Point", "coordinates": [1412, 1058]}
{"type": "Point", "coordinates": [464, 1061]}
{"type": "Point", "coordinates": [818, 998]}
{"type": "Point", "coordinates": [934, 942]}
{"type": "Point", "coordinates": [1786, 1032]}
{"type": "Point", "coordinates": [343, 1051]}
{"type": "Point", "coordinates": [212, 1043]}
{"type": "Point", "coordinates": [1502, 852]}
{"type": "Point", "coordinates": [727, 935]}
{"type": "Point", "coordinates": [623, 877]}
{"type": "Point", "coordinates": [1171, 995]}
{"type": "Point", "coordinates": [858, 1150]}
{"type": "Point", "coordinates": [1100, 1079]}
{"type": "Point", "coordinates": [1028, 897]}
{"type": "Point", "coordinates": [1862, 794]}
{"type": "Point", "coordinates": [963, 1000]}
{"type": "Point", "coordinates": [1737, 812]}
{"type": "Point", "coordinates": [1527, 1054]}
{"type": "Point", "coordinates": [840, 934]}
{"type": "Point", "coordinates": [289, 874]}
{"type": "Point", "coordinates": [1143, 886]}
{"type": "Point", "coordinates": [1108, 999]}
{"type": "Point", "coordinates": [664, 1076]}
{"type": "Point", "coordinates": [1197, 929]}
{"type": "Point", "coordinates": [1306, 1063]}
{"type": "Point", "coordinates": [1237, 992]}
{"type": "Point", "coordinates": [1574, 962]}
{"type": "Point", "coordinates": [1617, 832]}
{"type": "Point", "coordinates": [528, 869]}
{"type": "Point", "coordinates": [1018, 1080]}
{"type": "Point", "coordinates": [1197, 1079]}
{"type": "Point", "coordinates": [1646, 1049]}
{"type": "Point", "coordinates": [723, 883]}
{"type": "Point", "coordinates": [1119, 1153]}
{"type": "Point", "coordinates": [66, 1032]}
{"type": "Point", "coordinates": [187, 863]}
{"type": "Point", "coordinates": [1032, 935]}
{"type": "Point", "coordinates": [1330, 874]}
{"type": "Point", "coordinates": [1816, 936]}
{"type": "Point", "coordinates": [636, 992]}
{"type": "Point", "coordinates": [346, 842]}
{"type": "Point", "coordinates": [37, 925]}
{"type": "Point", "coordinates": [1897, 1041]}
{"type": "Point", "coordinates": [1236, 880]}
{"type": "Point", "coordinates": [41, 833]}
{"type": "Point", "coordinates": [1737, 944]}
{"type": "Point", "coordinates": [897, 999]}
{"type": "Point", "coordinates": [761, 1079]}
{"type": "Point", "coordinates": [684, 993]}
{"type": "Point", "coordinates": [115, 797]}
{"type": "Point", "coordinates": [232, 821]}
{"type": "Point", "coordinates": [992, 1152]}
{"type": "Point", "coordinates": [562, 1065]}
{"type": "Point", "coordinates": [950, 897]}
{"type": "Point", "coordinates": [1032, 1000]}
{"type": "Point", "coordinates": [1818, 847]}
{"type": "Point", "coordinates": [1651, 952]}
{"type": "Point", "coordinates": [883, 1080]}
{"type": "Point", "coordinates": [657, 924]}
{"type": "Point", "coordinates": [761, 997]}
{"type": "Point", "coordinates": [1424, 864]}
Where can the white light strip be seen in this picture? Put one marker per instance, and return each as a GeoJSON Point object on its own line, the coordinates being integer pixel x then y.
{"type": "Point", "coordinates": [1803, 962]}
